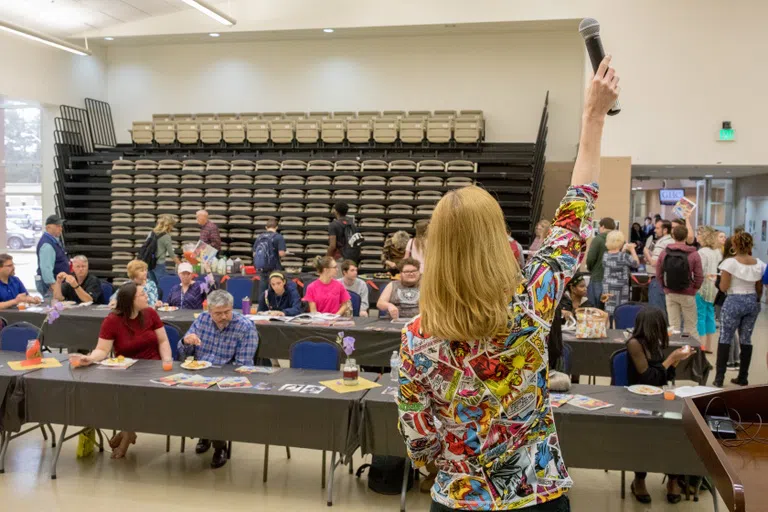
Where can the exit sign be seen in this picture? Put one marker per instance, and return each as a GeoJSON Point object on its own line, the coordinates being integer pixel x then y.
{"type": "Point", "coordinates": [727, 134]}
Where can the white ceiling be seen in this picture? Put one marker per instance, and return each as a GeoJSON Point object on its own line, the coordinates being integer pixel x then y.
{"type": "Point", "coordinates": [65, 18]}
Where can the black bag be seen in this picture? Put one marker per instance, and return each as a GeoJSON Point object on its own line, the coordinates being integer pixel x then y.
{"type": "Point", "coordinates": [148, 251]}
{"type": "Point", "coordinates": [385, 474]}
{"type": "Point", "coordinates": [676, 271]}
{"type": "Point", "coordinates": [353, 242]}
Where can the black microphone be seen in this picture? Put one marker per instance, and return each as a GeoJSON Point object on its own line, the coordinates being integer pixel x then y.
{"type": "Point", "coordinates": [589, 29]}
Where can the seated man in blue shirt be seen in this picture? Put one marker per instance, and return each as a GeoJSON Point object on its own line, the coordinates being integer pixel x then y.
{"type": "Point", "coordinates": [12, 290]}
{"type": "Point", "coordinates": [219, 337]}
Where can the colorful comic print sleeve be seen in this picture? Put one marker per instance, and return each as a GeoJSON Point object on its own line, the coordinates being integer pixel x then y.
{"type": "Point", "coordinates": [562, 251]}
{"type": "Point", "coordinates": [414, 406]}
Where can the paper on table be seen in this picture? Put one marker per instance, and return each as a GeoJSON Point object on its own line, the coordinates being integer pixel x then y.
{"type": "Point", "coordinates": [34, 309]}
{"type": "Point", "coordinates": [338, 385]}
{"type": "Point", "coordinates": [686, 391]}
{"type": "Point", "coordinates": [48, 362]}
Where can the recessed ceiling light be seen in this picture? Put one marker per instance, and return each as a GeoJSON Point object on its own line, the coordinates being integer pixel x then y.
{"type": "Point", "coordinates": [328, 30]}
{"type": "Point", "coordinates": [109, 38]}
{"type": "Point", "coordinates": [214, 34]}
{"type": "Point", "coordinates": [708, 175]}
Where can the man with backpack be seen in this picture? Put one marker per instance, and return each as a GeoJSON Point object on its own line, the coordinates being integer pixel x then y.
{"type": "Point", "coordinates": [679, 271]}
{"type": "Point", "coordinates": [268, 248]}
{"type": "Point", "coordinates": [344, 240]}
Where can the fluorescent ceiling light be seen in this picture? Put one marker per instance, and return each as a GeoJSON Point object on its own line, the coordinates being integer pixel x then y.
{"type": "Point", "coordinates": [214, 34]}
{"type": "Point", "coordinates": [42, 38]}
{"type": "Point", "coordinates": [328, 30]}
{"type": "Point", "coordinates": [708, 175]}
{"type": "Point", "coordinates": [211, 11]}
{"type": "Point", "coordinates": [109, 38]}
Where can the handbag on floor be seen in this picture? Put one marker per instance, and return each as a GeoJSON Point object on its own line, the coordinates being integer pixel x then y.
{"type": "Point", "coordinates": [385, 474]}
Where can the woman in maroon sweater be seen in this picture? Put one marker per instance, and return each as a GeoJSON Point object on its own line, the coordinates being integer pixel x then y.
{"type": "Point", "coordinates": [133, 330]}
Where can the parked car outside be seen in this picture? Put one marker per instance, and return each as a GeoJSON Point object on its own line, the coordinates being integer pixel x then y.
{"type": "Point", "coordinates": [18, 238]}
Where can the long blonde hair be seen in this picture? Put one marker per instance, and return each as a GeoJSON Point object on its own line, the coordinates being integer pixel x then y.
{"type": "Point", "coordinates": [470, 272]}
{"type": "Point", "coordinates": [165, 224]}
{"type": "Point", "coordinates": [420, 240]}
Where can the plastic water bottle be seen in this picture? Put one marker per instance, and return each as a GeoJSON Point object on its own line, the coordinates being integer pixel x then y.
{"type": "Point", "coordinates": [394, 362]}
{"type": "Point", "coordinates": [230, 264]}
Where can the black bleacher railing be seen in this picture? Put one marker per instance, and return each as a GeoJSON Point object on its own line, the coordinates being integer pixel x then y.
{"type": "Point", "coordinates": [109, 233]}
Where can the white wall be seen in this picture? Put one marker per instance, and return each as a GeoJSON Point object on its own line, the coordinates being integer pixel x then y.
{"type": "Point", "coordinates": [686, 65]}
{"type": "Point", "coordinates": [506, 75]}
{"type": "Point", "coordinates": [34, 72]}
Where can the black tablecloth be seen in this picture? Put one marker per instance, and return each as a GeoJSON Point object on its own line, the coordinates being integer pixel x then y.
{"type": "Point", "coordinates": [127, 400]}
{"type": "Point", "coordinates": [593, 357]}
{"type": "Point", "coordinates": [78, 329]}
{"type": "Point", "coordinates": [11, 393]}
{"type": "Point", "coordinates": [602, 439]}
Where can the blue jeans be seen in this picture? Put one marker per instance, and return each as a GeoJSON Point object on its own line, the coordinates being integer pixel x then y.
{"type": "Point", "coordinates": [43, 289]}
{"type": "Point", "coordinates": [656, 297]}
{"type": "Point", "coordinates": [594, 291]}
{"type": "Point", "coordinates": [158, 273]}
{"type": "Point", "coordinates": [739, 314]}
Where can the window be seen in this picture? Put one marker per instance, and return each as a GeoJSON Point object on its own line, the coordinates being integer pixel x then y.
{"type": "Point", "coordinates": [20, 186]}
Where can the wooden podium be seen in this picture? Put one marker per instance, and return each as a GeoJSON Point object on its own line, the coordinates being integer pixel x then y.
{"type": "Point", "coordinates": [738, 469]}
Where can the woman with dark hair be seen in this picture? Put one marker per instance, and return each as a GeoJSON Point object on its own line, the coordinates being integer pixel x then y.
{"type": "Point", "coordinates": [734, 353]}
{"type": "Point", "coordinates": [742, 278]}
{"type": "Point", "coordinates": [637, 236]}
{"type": "Point", "coordinates": [326, 294]}
{"type": "Point", "coordinates": [132, 330]}
{"type": "Point", "coordinates": [575, 296]}
{"type": "Point", "coordinates": [648, 366]}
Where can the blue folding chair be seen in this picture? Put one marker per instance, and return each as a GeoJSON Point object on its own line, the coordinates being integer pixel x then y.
{"type": "Point", "coordinates": [312, 355]}
{"type": "Point", "coordinates": [166, 283]}
{"type": "Point", "coordinates": [174, 335]}
{"type": "Point", "coordinates": [106, 292]}
{"type": "Point", "coordinates": [240, 287]}
{"type": "Point", "coordinates": [620, 377]}
{"type": "Point", "coordinates": [624, 315]}
{"type": "Point", "coordinates": [356, 302]}
{"type": "Point", "coordinates": [565, 358]}
{"type": "Point", "coordinates": [14, 338]}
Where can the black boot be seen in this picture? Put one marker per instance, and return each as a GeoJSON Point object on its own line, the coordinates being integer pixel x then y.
{"type": "Point", "coordinates": [723, 352]}
{"type": "Point", "coordinates": [746, 358]}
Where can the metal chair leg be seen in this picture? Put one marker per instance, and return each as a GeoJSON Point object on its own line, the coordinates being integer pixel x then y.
{"type": "Point", "coordinates": [351, 465]}
{"type": "Point", "coordinates": [53, 435]}
{"type": "Point", "coordinates": [266, 463]}
{"type": "Point", "coordinates": [229, 449]}
{"type": "Point", "coordinates": [183, 443]}
{"type": "Point", "coordinates": [404, 488]}
{"type": "Point", "coordinates": [101, 440]}
{"type": "Point", "coordinates": [45, 434]}
{"type": "Point", "coordinates": [5, 438]}
{"type": "Point", "coordinates": [623, 484]}
{"type": "Point", "coordinates": [167, 444]}
{"type": "Point", "coordinates": [58, 452]}
{"type": "Point", "coordinates": [288, 451]}
{"type": "Point", "coordinates": [322, 483]}
{"type": "Point", "coordinates": [330, 479]}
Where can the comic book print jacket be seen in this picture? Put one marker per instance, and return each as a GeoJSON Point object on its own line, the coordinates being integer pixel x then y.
{"type": "Point", "coordinates": [480, 409]}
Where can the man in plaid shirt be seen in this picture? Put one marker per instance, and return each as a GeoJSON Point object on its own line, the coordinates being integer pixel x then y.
{"type": "Point", "coordinates": [219, 337]}
{"type": "Point", "coordinates": [209, 232]}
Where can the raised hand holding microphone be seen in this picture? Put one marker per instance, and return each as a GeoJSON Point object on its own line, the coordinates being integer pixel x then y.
{"type": "Point", "coordinates": [601, 95]}
{"type": "Point", "coordinates": [589, 29]}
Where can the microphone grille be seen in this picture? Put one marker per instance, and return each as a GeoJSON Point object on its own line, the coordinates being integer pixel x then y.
{"type": "Point", "coordinates": [589, 27]}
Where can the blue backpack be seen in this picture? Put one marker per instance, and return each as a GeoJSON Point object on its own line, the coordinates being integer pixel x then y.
{"type": "Point", "coordinates": [265, 256]}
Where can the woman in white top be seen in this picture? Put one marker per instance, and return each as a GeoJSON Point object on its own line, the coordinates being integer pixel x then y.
{"type": "Point", "coordinates": [741, 277]}
{"type": "Point", "coordinates": [417, 245]}
{"type": "Point", "coordinates": [705, 298]}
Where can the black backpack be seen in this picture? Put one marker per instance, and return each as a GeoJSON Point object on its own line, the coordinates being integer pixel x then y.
{"type": "Point", "coordinates": [148, 251]}
{"type": "Point", "coordinates": [676, 271]}
{"type": "Point", "coordinates": [385, 474]}
{"type": "Point", "coordinates": [353, 242]}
